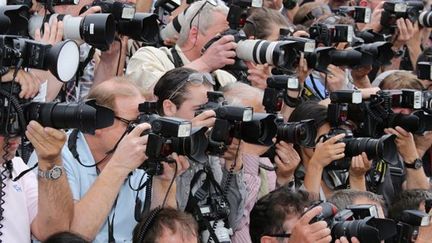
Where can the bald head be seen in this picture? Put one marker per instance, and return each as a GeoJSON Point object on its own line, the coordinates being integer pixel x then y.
{"type": "Point", "coordinates": [242, 94]}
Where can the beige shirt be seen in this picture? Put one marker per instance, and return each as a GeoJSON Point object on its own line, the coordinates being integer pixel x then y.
{"type": "Point", "coordinates": [148, 64]}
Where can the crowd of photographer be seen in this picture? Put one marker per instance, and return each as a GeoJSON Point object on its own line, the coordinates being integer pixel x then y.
{"type": "Point", "coordinates": [216, 121]}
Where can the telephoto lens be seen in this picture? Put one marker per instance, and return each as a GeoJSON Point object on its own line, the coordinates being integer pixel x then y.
{"type": "Point", "coordinates": [425, 19]}
{"type": "Point", "coordinates": [142, 27]}
{"type": "Point", "coordinates": [16, 15]}
{"type": "Point", "coordinates": [262, 51]}
{"type": "Point", "coordinates": [302, 133]}
{"type": "Point", "coordinates": [86, 117]}
{"type": "Point", "coordinates": [97, 30]}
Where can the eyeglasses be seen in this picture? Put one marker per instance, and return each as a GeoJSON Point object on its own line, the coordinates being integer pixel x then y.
{"type": "Point", "coordinates": [124, 120]}
{"type": "Point", "coordinates": [283, 235]}
{"type": "Point", "coordinates": [211, 2]}
{"type": "Point", "coordinates": [194, 78]}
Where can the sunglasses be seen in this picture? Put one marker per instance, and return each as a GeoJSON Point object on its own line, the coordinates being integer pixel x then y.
{"type": "Point", "coordinates": [195, 79]}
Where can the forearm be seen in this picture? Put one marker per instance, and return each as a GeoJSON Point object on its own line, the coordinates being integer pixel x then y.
{"type": "Point", "coordinates": [357, 183]}
{"type": "Point", "coordinates": [55, 206]}
{"type": "Point", "coordinates": [93, 209]}
{"type": "Point", "coordinates": [414, 53]}
{"type": "Point", "coordinates": [199, 65]}
{"type": "Point", "coordinates": [416, 179]}
{"type": "Point", "coordinates": [312, 181]}
{"type": "Point", "coordinates": [362, 82]}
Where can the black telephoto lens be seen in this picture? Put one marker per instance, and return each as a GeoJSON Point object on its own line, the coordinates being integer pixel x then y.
{"type": "Point", "coordinates": [143, 27]}
{"type": "Point", "coordinates": [98, 30]}
{"type": "Point", "coordinates": [86, 117]}
{"type": "Point", "coordinates": [302, 133]}
{"type": "Point", "coordinates": [370, 229]}
{"type": "Point", "coordinates": [383, 148]}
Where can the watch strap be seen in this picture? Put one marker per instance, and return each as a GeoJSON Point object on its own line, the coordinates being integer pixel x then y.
{"type": "Point", "coordinates": [416, 165]}
{"type": "Point", "coordinates": [48, 174]}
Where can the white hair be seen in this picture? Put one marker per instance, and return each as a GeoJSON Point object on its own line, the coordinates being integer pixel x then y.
{"type": "Point", "coordinates": [203, 20]}
{"type": "Point", "coordinates": [240, 93]}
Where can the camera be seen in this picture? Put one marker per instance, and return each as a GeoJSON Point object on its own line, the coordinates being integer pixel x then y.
{"type": "Point", "coordinates": [375, 53]}
{"type": "Point", "coordinates": [167, 136]}
{"type": "Point", "coordinates": [138, 26]}
{"type": "Point", "coordinates": [412, 10]}
{"type": "Point", "coordinates": [349, 223]}
{"type": "Point", "coordinates": [119, 10]}
{"type": "Point", "coordinates": [408, 225]}
{"type": "Point", "coordinates": [359, 14]}
{"type": "Point", "coordinates": [339, 115]}
{"type": "Point", "coordinates": [329, 35]}
{"type": "Point", "coordinates": [20, 52]}
{"type": "Point", "coordinates": [275, 93]}
{"type": "Point", "coordinates": [294, 47]}
{"type": "Point", "coordinates": [16, 15]}
{"type": "Point", "coordinates": [302, 133]}
{"type": "Point", "coordinates": [382, 148]}
{"type": "Point", "coordinates": [97, 30]}
{"type": "Point", "coordinates": [369, 36]}
{"type": "Point", "coordinates": [424, 70]}
{"type": "Point", "coordinates": [15, 113]}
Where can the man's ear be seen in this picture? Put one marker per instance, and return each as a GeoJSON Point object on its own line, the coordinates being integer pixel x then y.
{"type": "Point", "coordinates": [268, 239]}
{"type": "Point", "coordinates": [193, 34]}
{"type": "Point", "coordinates": [169, 108]}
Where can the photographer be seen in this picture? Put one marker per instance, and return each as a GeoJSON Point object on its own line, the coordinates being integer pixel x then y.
{"type": "Point", "coordinates": [317, 180]}
{"type": "Point", "coordinates": [203, 20]}
{"type": "Point", "coordinates": [102, 168]}
{"type": "Point", "coordinates": [289, 222]}
{"type": "Point", "coordinates": [180, 93]}
{"type": "Point", "coordinates": [43, 206]}
{"type": "Point", "coordinates": [166, 225]}
{"type": "Point", "coordinates": [343, 198]}
{"type": "Point", "coordinates": [413, 200]}
{"type": "Point", "coordinates": [259, 181]}
{"type": "Point", "coordinates": [410, 147]}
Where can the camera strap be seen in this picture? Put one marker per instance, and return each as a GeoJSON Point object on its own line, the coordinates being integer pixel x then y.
{"type": "Point", "coordinates": [201, 194]}
{"type": "Point", "coordinates": [376, 176]}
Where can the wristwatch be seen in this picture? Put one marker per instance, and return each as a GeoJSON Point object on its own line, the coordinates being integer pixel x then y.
{"type": "Point", "coordinates": [52, 174]}
{"type": "Point", "coordinates": [418, 163]}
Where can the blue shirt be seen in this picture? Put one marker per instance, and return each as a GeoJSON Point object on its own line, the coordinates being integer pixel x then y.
{"type": "Point", "coordinates": [81, 179]}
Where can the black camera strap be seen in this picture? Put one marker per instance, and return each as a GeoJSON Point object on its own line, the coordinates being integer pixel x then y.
{"type": "Point", "coordinates": [201, 194]}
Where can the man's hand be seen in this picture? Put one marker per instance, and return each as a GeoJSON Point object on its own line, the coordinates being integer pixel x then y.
{"type": "Point", "coordinates": [29, 83]}
{"type": "Point", "coordinates": [48, 143]}
{"type": "Point", "coordinates": [360, 76]}
{"type": "Point", "coordinates": [205, 119]}
{"type": "Point", "coordinates": [130, 152]}
{"type": "Point", "coordinates": [258, 74]}
{"type": "Point", "coordinates": [345, 240]}
{"type": "Point", "coordinates": [335, 79]}
{"type": "Point", "coordinates": [406, 32]}
{"type": "Point", "coordinates": [404, 143]}
{"type": "Point", "coordinates": [92, 10]}
{"type": "Point", "coordinates": [328, 151]}
{"type": "Point", "coordinates": [287, 159]}
{"type": "Point", "coordinates": [360, 164]}
{"type": "Point", "coordinates": [303, 232]}
{"type": "Point", "coordinates": [220, 53]}
{"type": "Point", "coordinates": [374, 24]}
{"type": "Point", "coordinates": [52, 34]}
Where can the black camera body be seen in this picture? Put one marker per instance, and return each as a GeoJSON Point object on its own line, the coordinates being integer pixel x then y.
{"type": "Point", "coordinates": [351, 223]}
{"type": "Point", "coordinates": [408, 225]}
{"type": "Point", "coordinates": [394, 10]}
{"type": "Point", "coordinates": [119, 10]}
{"type": "Point", "coordinates": [167, 136]}
{"type": "Point", "coordinates": [329, 35]}
{"type": "Point", "coordinates": [339, 115]}
{"type": "Point", "coordinates": [16, 113]}
{"type": "Point", "coordinates": [359, 14]}
{"type": "Point", "coordinates": [276, 91]}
